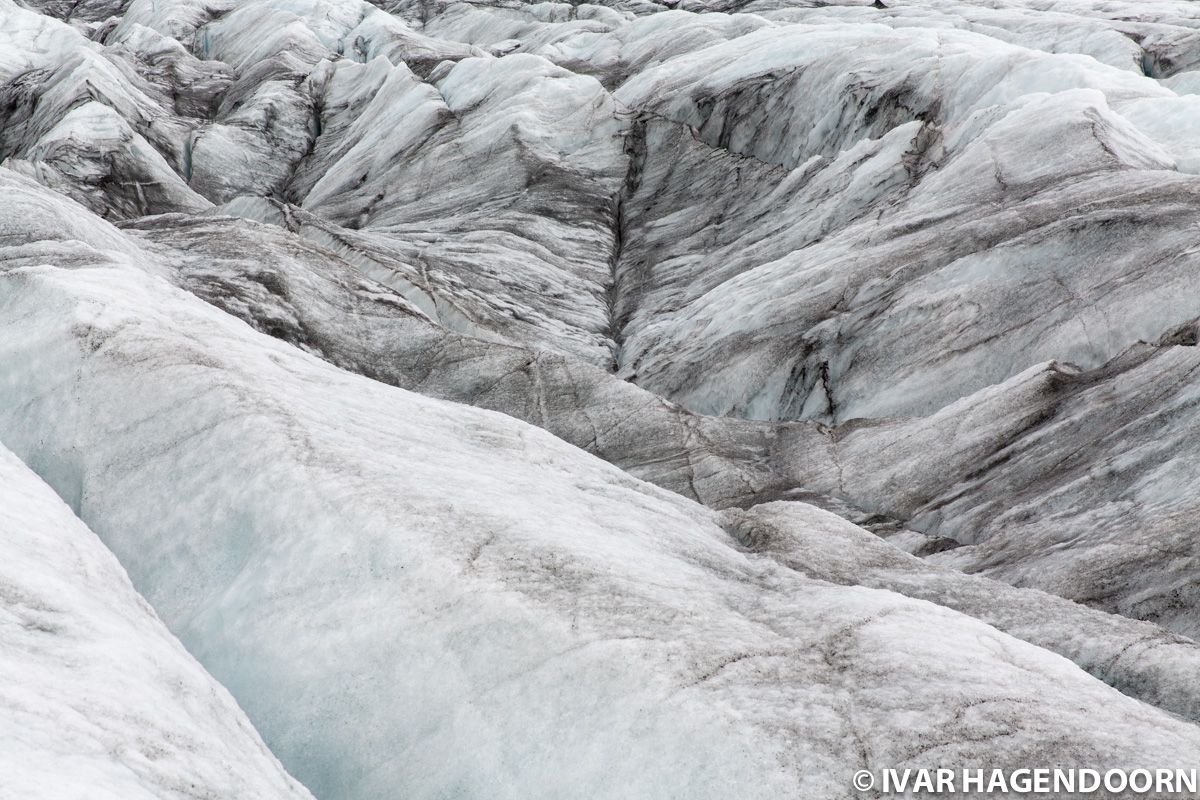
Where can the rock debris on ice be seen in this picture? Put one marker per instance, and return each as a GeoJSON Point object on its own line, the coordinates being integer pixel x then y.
{"type": "Point", "coordinates": [695, 398]}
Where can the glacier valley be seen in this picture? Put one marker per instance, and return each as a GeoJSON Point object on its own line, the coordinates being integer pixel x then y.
{"type": "Point", "coordinates": [649, 399]}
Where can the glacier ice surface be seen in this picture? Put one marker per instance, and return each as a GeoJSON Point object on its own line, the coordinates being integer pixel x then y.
{"type": "Point", "coordinates": [689, 398]}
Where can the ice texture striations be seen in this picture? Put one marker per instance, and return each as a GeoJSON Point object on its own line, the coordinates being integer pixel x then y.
{"type": "Point", "coordinates": [636, 400]}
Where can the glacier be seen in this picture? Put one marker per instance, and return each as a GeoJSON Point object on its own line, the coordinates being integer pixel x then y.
{"type": "Point", "coordinates": [97, 698]}
{"type": "Point", "coordinates": [646, 399]}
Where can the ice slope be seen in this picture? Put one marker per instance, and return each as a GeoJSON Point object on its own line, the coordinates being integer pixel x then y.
{"type": "Point", "coordinates": [539, 219]}
{"type": "Point", "coordinates": [1139, 658]}
{"type": "Point", "coordinates": [411, 595]}
{"type": "Point", "coordinates": [927, 264]}
{"type": "Point", "coordinates": [956, 222]}
{"type": "Point", "coordinates": [305, 294]}
{"type": "Point", "coordinates": [307, 299]}
{"type": "Point", "coordinates": [1015, 471]}
{"type": "Point", "coordinates": [687, 196]}
{"type": "Point", "coordinates": [97, 699]}
{"type": "Point", "coordinates": [891, 336]}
